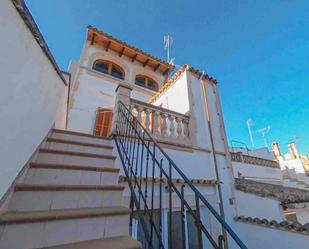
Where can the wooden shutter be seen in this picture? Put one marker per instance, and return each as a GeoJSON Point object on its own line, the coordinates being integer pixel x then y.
{"type": "Point", "coordinates": [103, 122]}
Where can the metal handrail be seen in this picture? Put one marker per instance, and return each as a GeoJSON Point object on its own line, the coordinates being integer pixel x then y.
{"type": "Point", "coordinates": [129, 137]}
{"type": "Point", "coordinates": [239, 142]}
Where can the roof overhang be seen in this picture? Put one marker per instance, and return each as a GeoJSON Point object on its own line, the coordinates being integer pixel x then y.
{"type": "Point", "coordinates": [108, 42]}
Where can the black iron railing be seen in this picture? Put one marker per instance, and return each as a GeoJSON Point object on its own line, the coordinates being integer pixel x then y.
{"type": "Point", "coordinates": [150, 173]}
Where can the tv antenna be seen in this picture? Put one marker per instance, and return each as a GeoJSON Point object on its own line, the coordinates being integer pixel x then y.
{"type": "Point", "coordinates": [168, 42]}
{"type": "Point", "coordinates": [249, 125]}
{"type": "Point", "coordinates": [264, 131]}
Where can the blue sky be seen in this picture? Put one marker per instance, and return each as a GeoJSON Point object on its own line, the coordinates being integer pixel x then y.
{"type": "Point", "coordinates": [257, 50]}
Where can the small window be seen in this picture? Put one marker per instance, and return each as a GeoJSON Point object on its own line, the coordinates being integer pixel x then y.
{"type": "Point", "coordinates": [110, 68]}
{"type": "Point", "coordinates": [116, 72]}
{"type": "Point", "coordinates": [140, 81]}
{"type": "Point", "coordinates": [101, 67]}
{"type": "Point", "coordinates": [146, 82]}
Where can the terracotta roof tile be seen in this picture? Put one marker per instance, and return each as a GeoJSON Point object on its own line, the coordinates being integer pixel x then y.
{"type": "Point", "coordinates": [132, 47]}
{"type": "Point", "coordinates": [283, 225]}
{"type": "Point", "coordinates": [175, 180]}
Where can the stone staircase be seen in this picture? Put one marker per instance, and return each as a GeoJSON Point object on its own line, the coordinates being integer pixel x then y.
{"type": "Point", "coordinates": [68, 197]}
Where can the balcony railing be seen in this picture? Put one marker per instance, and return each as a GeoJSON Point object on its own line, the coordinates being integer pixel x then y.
{"type": "Point", "coordinates": [239, 157]}
{"type": "Point", "coordinates": [161, 123]}
{"type": "Point", "coordinates": [143, 158]}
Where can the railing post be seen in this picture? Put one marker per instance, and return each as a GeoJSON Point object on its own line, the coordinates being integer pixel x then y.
{"type": "Point", "coordinates": [179, 128]}
{"type": "Point", "coordinates": [123, 94]}
{"type": "Point", "coordinates": [172, 126]}
{"type": "Point", "coordinates": [164, 125]}
{"type": "Point", "coordinates": [156, 124]}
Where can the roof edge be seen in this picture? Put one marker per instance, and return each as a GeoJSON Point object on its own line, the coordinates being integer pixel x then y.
{"type": "Point", "coordinates": [176, 76]}
{"type": "Point", "coordinates": [171, 66]}
{"type": "Point", "coordinates": [32, 26]}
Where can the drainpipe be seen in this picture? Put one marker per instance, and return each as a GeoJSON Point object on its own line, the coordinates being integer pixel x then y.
{"type": "Point", "coordinates": [213, 151]}
{"type": "Point", "coordinates": [68, 102]}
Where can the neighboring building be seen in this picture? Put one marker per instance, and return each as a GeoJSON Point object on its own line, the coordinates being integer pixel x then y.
{"type": "Point", "coordinates": [138, 153]}
{"type": "Point", "coordinates": [260, 173]}
{"type": "Point", "coordinates": [292, 160]}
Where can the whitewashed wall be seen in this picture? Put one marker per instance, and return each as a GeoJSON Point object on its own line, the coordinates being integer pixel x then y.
{"type": "Point", "coordinates": [176, 98]}
{"type": "Point", "coordinates": [257, 173]}
{"type": "Point", "coordinates": [202, 137]}
{"type": "Point", "coordinates": [258, 207]}
{"type": "Point", "coordinates": [190, 85]}
{"type": "Point", "coordinates": [92, 89]}
{"type": "Point", "coordinates": [194, 164]}
{"type": "Point", "coordinates": [258, 237]}
{"type": "Point", "coordinates": [295, 164]}
{"type": "Point", "coordinates": [92, 53]}
{"type": "Point", "coordinates": [31, 97]}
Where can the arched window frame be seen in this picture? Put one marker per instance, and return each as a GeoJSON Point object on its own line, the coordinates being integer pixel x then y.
{"type": "Point", "coordinates": [110, 67]}
{"type": "Point", "coordinates": [147, 78]}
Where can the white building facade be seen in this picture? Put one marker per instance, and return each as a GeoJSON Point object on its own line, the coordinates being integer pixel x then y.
{"type": "Point", "coordinates": [79, 168]}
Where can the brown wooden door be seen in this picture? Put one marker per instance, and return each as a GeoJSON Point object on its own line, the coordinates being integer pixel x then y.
{"type": "Point", "coordinates": [103, 122]}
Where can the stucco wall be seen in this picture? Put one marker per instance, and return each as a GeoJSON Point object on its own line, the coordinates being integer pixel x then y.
{"type": "Point", "coordinates": [259, 207]}
{"type": "Point", "coordinates": [194, 164]}
{"type": "Point", "coordinates": [176, 97]}
{"type": "Point", "coordinates": [92, 89]}
{"type": "Point", "coordinates": [190, 98]}
{"type": "Point", "coordinates": [295, 164]}
{"type": "Point", "coordinates": [30, 96]}
{"type": "Point", "coordinates": [258, 237]}
{"type": "Point", "coordinates": [257, 173]}
{"type": "Point", "coordinates": [92, 53]}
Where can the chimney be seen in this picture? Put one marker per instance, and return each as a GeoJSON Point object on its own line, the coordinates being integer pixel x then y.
{"type": "Point", "coordinates": [293, 150]}
{"type": "Point", "coordinates": [276, 149]}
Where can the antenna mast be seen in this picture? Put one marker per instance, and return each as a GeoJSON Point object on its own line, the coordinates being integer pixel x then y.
{"type": "Point", "coordinates": [168, 42]}
{"type": "Point", "coordinates": [264, 131]}
{"type": "Point", "coordinates": [249, 124]}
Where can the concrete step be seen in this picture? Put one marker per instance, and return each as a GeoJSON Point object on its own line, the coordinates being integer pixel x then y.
{"type": "Point", "coordinates": [80, 137]}
{"type": "Point", "coordinates": [119, 242]}
{"type": "Point", "coordinates": [67, 145]}
{"type": "Point", "coordinates": [25, 230]}
{"type": "Point", "coordinates": [46, 173]}
{"type": "Point", "coordinates": [29, 197]}
{"type": "Point", "coordinates": [71, 157]}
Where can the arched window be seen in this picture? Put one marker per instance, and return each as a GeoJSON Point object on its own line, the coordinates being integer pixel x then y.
{"type": "Point", "coordinates": [108, 67]}
{"type": "Point", "coordinates": [146, 82]}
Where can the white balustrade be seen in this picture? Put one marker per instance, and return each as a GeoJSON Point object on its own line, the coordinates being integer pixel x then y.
{"type": "Point", "coordinates": [163, 124]}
